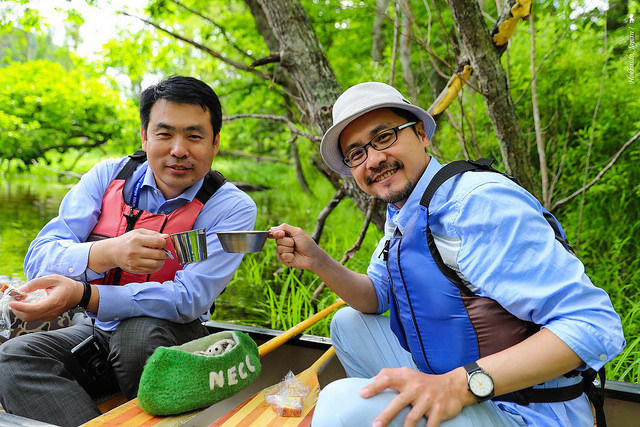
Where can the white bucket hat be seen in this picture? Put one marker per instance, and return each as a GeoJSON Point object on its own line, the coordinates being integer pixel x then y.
{"type": "Point", "coordinates": [353, 103]}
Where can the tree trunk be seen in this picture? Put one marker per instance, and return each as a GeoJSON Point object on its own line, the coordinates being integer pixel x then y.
{"type": "Point", "coordinates": [405, 51]}
{"type": "Point", "coordinates": [542, 157]}
{"type": "Point", "coordinates": [377, 31]}
{"type": "Point", "coordinates": [477, 45]}
{"type": "Point", "coordinates": [303, 57]}
{"type": "Point", "coordinates": [280, 76]}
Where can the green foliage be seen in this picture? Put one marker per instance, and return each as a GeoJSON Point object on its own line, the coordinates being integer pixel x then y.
{"type": "Point", "coordinates": [44, 107]}
{"type": "Point", "coordinates": [20, 45]}
{"type": "Point", "coordinates": [570, 57]}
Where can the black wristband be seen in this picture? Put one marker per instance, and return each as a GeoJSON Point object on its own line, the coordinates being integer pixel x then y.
{"type": "Point", "coordinates": [86, 296]}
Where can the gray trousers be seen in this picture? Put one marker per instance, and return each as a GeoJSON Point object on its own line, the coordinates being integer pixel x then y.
{"type": "Point", "coordinates": [41, 379]}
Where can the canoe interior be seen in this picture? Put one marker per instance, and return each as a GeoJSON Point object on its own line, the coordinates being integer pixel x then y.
{"type": "Point", "coordinates": [622, 402]}
{"type": "Point", "coordinates": [296, 355]}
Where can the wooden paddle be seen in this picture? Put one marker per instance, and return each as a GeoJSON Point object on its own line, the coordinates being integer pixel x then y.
{"type": "Point", "coordinates": [130, 413]}
{"type": "Point", "coordinates": [255, 411]}
{"type": "Point", "coordinates": [276, 342]}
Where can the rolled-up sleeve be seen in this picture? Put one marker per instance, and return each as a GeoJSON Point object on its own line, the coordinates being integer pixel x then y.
{"type": "Point", "coordinates": [509, 252]}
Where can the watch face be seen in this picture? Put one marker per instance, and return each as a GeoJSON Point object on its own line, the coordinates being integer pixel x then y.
{"type": "Point", "coordinates": [480, 384]}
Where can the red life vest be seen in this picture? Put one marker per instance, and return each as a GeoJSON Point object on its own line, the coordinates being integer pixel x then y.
{"type": "Point", "coordinates": [118, 217]}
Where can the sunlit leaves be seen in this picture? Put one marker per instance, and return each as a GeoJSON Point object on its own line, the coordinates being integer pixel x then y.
{"type": "Point", "coordinates": [43, 107]}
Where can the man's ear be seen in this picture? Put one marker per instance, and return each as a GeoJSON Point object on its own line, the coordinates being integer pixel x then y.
{"type": "Point", "coordinates": [143, 137]}
{"type": "Point", "coordinates": [422, 135]}
{"type": "Point", "coordinates": [216, 145]}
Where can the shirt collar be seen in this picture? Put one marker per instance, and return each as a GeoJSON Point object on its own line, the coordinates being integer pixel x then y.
{"type": "Point", "coordinates": [400, 216]}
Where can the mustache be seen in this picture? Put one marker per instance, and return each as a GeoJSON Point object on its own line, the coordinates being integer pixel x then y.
{"type": "Point", "coordinates": [383, 167]}
{"type": "Point", "coordinates": [188, 165]}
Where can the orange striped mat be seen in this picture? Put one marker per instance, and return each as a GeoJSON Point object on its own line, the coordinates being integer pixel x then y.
{"type": "Point", "coordinates": [260, 414]}
{"type": "Point", "coordinates": [130, 414]}
{"type": "Point", "coordinates": [257, 412]}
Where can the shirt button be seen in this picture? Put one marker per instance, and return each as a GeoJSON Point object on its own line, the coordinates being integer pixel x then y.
{"type": "Point", "coordinates": [603, 357]}
{"type": "Point", "coordinates": [70, 270]}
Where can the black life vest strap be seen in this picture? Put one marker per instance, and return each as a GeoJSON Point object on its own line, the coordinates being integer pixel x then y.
{"type": "Point", "coordinates": [212, 182]}
{"type": "Point", "coordinates": [447, 172]}
{"type": "Point", "coordinates": [586, 385]}
{"type": "Point", "coordinates": [452, 169]}
{"type": "Point", "coordinates": [134, 160]}
{"type": "Point", "coordinates": [594, 389]}
{"type": "Point", "coordinates": [545, 395]}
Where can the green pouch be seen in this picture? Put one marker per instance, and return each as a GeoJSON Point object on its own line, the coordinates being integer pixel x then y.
{"type": "Point", "coordinates": [176, 380]}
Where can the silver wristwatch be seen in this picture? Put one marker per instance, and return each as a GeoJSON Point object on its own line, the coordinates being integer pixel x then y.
{"type": "Point", "coordinates": [479, 382]}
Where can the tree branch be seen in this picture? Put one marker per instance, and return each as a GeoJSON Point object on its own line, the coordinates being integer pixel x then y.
{"type": "Point", "coordinates": [235, 64]}
{"type": "Point", "coordinates": [288, 122]}
{"type": "Point", "coordinates": [377, 36]}
{"type": "Point", "coordinates": [273, 58]}
{"type": "Point", "coordinates": [322, 217]}
{"type": "Point", "coordinates": [59, 172]}
{"type": "Point", "coordinates": [394, 47]}
{"type": "Point", "coordinates": [600, 174]}
{"type": "Point", "coordinates": [253, 156]}
{"type": "Point", "coordinates": [533, 78]}
{"type": "Point", "coordinates": [356, 246]}
{"type": "Point", "coordinates": [542, 157]}
{"type": "Point", "coordinates": [422, 42]}
{"type": "Point", "coordinates": [299, 172]}
{"type": "Point", "coordinates": [592, 131]}
{"type": "Point", "coordinates": [223, 31]}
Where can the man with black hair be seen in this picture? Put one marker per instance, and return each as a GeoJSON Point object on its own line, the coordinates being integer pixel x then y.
{"type": "Point", "coordinates": [105, 252]}
{"type": "Point", "coordinates": [492, 318]}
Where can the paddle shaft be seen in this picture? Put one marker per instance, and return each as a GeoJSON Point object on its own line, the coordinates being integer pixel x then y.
{"type": "Point", "coordinates": [322, 360]}
{"type": "Point", "coordinates": [255, 411]}
{"type": "Point", "coordinates": [276, 342]}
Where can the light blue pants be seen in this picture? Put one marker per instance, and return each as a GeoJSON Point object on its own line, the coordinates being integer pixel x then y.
{"type": "Point", "coordinates": [365, 344]}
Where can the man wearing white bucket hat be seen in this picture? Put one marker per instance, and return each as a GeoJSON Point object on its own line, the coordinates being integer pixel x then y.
{"type": "Point", "coordinates": [492, 319]}
{"type": "Point", "coordinates": [105, 253]}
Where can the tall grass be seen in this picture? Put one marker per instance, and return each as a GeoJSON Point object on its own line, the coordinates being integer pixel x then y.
{"type": "Point", "coordinates": [611, 255]}
{"type": "Point", "coordinates": [263, 292]}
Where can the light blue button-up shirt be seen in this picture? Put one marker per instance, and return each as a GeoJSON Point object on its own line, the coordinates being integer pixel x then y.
{"type": "Point", "coordinates": [61, 247]}
{"type": "Point", "coordinates": [502, 244]}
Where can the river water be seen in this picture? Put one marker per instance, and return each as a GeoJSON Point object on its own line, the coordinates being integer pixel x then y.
{"type": "Point", "coordinates": [27, 203]}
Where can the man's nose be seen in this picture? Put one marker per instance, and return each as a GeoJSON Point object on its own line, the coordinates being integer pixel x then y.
{"type": "Point", "coordinates": [180, 147]}
{"type": "Point", "coordinates": [375, 158]}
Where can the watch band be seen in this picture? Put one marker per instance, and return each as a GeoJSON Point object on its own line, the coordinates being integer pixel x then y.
{"type": "Point", "coordinates": [86, 295]}
{"type": "Point", "coordinates": [472, 367]}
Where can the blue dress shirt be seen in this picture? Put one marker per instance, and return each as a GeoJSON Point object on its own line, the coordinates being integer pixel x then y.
{"type": "Point", "coordinates": [61, 247]}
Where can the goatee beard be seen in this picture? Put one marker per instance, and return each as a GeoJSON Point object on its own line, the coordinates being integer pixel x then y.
{"type": "Point", "coordinates": [399, 196]}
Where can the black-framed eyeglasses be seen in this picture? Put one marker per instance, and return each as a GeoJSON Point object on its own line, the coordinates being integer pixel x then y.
{"type": "Point", "coordinates": [385, 139]}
